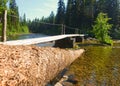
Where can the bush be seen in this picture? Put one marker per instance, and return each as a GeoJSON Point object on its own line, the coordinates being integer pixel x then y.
{"type": "Point", "coordinates": [101, 28]}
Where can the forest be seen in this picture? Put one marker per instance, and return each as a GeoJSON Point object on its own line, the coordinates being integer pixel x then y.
{"type": "Point", "coordinates": [77, 16]}
{"type": "Point", "coordinates": [15, 23]}
{"type": "Point", "coordinates": [81, 15]}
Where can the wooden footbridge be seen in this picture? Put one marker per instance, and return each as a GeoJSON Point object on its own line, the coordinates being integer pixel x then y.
{"type": "Point", "coordinates": [42, 39]}
{"type": "Point", "coordinates": [59, 39]}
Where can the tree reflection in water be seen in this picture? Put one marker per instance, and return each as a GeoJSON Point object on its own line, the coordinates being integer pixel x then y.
{"type": "Point", "coordinates": [99, 66]}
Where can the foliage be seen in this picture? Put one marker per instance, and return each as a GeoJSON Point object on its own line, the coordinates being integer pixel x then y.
{"type": "Point", "coordinates": [13, 19]}
{"type": "Point", "coordinates": [81, 14]}
{"type": "Point", "coordinates": [45, 26]}
{"type": "Point", "coordinates": [60, 12]}
{"type": "Point", "coordinates": [52, 18]}
{"type": "Point", "coordinates": [14, 25]}
{"type": "Point", "coordinates": [2, 8]}
{"type": "Point", "coordinates": [22, 29]}
{"type": "Point", "coordinates": [3, 5]}
{"type": "Point", "coordinates": [116, 33]}
{"type": "Point", "coordinates": [101, 28]}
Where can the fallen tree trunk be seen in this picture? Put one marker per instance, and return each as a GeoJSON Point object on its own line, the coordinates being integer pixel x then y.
{"type": "Point", "coordinates": [31, 65]}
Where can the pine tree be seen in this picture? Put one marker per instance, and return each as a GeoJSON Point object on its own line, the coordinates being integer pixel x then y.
{"type": "Point", "coordinates": [60, 12]}
{"type": "Point", "coordinates": [3, 5]}
{"type": "Point", "coordinates": [2, 8]}
{"type": "Point", "coordinates": [14, 12]}
{"type": "Point", "coordinates": [112, 7]}
{"type": "Point", "coordinates": [69, 13]}
{"type": "Point", "coordinates": [13, 19]}
{"type": "Point", "coordinates": [24, 19]}
{"type": "Point", "coordinates": [75, 13]}
{"type": "Point", "coordinates": [52, 17]}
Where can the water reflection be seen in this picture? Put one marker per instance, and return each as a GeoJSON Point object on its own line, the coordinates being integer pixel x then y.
{"type": "Point", "coordinates": [99, 66]}
{"type": "Point", "coordinates": [25, 36]}
{"type": "Point", "coordinates": [32, 35]}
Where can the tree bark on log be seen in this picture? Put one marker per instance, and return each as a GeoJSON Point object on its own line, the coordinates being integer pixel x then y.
{"type": "Point", "coordinates": [32, 65]}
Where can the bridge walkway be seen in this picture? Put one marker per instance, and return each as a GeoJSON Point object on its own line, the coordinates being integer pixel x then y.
{"type": "Point", "coordinates": [40, 40]}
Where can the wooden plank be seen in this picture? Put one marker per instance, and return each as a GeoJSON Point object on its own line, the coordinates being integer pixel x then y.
{"type": "Point", "coordinates": [39, 40]}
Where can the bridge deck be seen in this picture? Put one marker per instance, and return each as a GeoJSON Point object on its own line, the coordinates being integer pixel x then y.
{"type": "Point", "coordinates": [39, 40]}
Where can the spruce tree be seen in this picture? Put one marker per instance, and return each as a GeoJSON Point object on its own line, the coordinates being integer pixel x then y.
{"type": "Point", "coordinates": [13, 17]}
{"type": "Point", "coordinates": [52, 17]}
{"type": "Point", "coordinates": [60, 12]}
{"type": "Point", "coordinates": [69, 13]}
{"type": "Point", "coordinates": [24, 19]}
{"type": "Point", "coordinates": [2, 8]}
{"type": "Point", "coordinates": [14, 12]}
{"type": "Point", "coordinates": [112, 9]}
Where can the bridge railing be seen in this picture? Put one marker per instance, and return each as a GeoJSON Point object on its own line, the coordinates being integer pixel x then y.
{"type": "Point", "coordinates": [43, 27]}
{"type": "Point", "coordinates": [57, 29]}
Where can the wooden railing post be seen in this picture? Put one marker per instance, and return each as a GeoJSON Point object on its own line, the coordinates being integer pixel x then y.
{"type": "Point", "coordinates": [76, 31]}
{"type": "Point", "coordinates": [4, 26]}
{"type": "Point", "coordinates": [63, 29]}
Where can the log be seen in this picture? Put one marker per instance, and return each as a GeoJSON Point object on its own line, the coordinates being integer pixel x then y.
{"type": "Point", "coordinates": [32, 65]}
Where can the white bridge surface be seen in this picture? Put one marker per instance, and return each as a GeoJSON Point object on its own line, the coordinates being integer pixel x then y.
{"type": "Point", "coordinates": [39, 40]}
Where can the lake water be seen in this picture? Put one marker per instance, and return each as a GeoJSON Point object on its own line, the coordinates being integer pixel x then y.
{"type": "Point", "coordinates": [32, 35]}
{"type": "Point", "coordinates": [99, 65]}
{"type": "Point", "coordinates": [25, 36]}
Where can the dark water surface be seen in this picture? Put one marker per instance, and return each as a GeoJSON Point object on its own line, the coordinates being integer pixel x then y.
{"type": "Point", "coordinates": [99, 66]}
{"type": "Point", "coordinates": [26, 36]}
{"type": "Point", "coordinates": [32, 35]}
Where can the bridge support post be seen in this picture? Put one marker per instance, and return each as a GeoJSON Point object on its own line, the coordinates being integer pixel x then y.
{"type": "Point", "coordinates": [68, 42]}
{"type": "Point", "coordinates": [65, 43]}
{"type": "Point", "coordinates": [63, 29]}
{"type": "Point", "coordinates": [80, 39]}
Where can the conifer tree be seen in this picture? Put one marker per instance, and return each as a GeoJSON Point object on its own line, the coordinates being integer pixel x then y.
{"type": "Point", "coordinates": [69, 13]}
{"type": "Point", "coordinates": [60, 12]}
{"type": "Point", "coordinates": [14, 18]}
{"type": "Point", "coordinates": [2, 8]}
{"type": "Point", "coordinates": [24, 19]}
{"type": "Point", "coordinates": [52, 17]}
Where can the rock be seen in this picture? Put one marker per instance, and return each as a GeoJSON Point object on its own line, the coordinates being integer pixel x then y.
{"type": "Point", "coordinates": [32, 65]}
{"type": "Point", "coordinates": [67, 81]}
{"type": "Point", "coordinates": [58, 84]}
